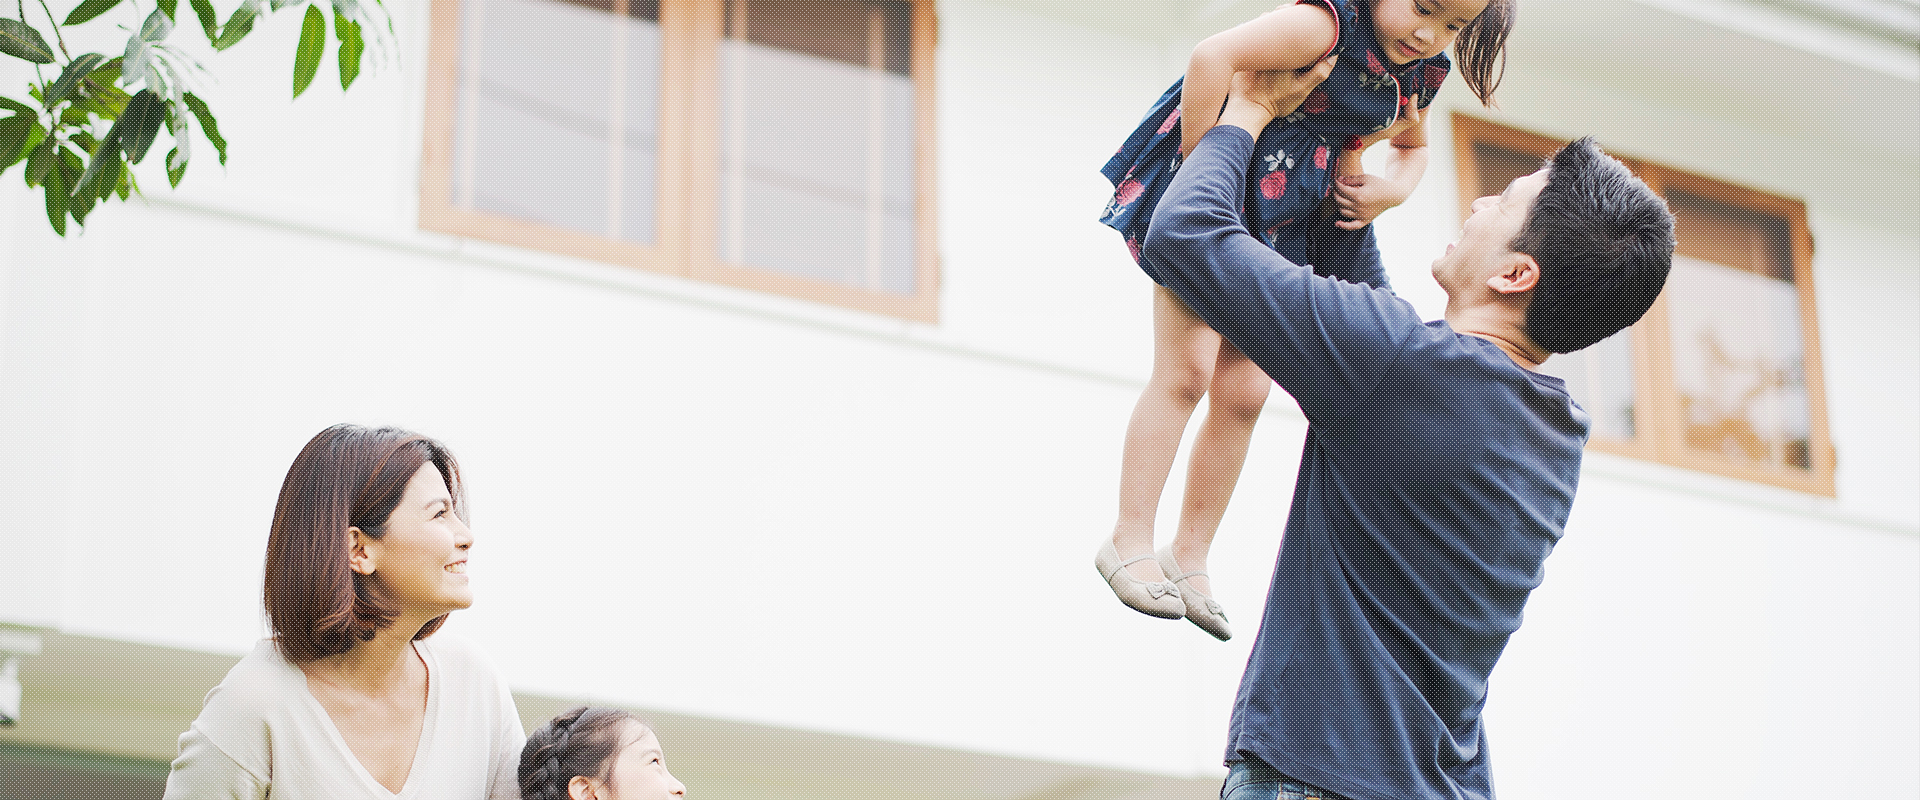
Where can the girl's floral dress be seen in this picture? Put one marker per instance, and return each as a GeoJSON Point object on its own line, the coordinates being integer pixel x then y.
{"type": "Point", "coordinates": [1293, 155]}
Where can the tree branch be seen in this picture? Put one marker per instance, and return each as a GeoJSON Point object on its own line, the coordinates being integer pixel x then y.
{"type": "Point", "coordinates": [56, 29]}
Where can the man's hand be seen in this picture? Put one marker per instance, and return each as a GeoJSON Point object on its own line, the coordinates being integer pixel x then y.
{"type": "Point", "coordinates": [1258, 97]}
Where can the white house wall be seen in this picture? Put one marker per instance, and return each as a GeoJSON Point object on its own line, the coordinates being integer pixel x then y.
{"type": "Point", "coordinates": [741, 506]}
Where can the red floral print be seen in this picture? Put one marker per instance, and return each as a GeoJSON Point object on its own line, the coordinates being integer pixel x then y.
{"type": "Point", "coordinates": [1315, 103]}
{"type": "Point", "coordinates": [1172, 120]}
{"type": "Point", "coordinates": [1133, 246]}
{"type": "Point", "coordinates": [1128, 191]}
{"type": "Point", "coordinates": [1354, 143]}
{"type": "Point", "coordinates": [1274, 185]}
{"type": "Point", "coordinates": [1320, 157]}
{"type": "Point", "coordinates": [1373, 65]}
{"type": "Point", "coordinates": [1433, 75]}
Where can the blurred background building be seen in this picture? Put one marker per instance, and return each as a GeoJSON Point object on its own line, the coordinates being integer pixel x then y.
{"type": "Point", "coordinates": [789, 369]}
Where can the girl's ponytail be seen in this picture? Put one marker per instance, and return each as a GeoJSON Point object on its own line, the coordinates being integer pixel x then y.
{"type": "Point", "coordinates": [579, 743]}
{"type": "Point", "coordinates": [1482, 44]}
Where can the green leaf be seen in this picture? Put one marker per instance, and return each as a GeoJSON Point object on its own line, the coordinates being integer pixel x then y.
{"type": "Point", "coordinates": [137, 125]}
{"type": "Point", "coordinates": [170, 6]}
{"type": "Point", "coordinates": [101, 174]}
{"type": "Point", "coordinates": [126, 184]}
{"type": "Point", "coordinates": [207, 125]}
{"type": "Point", "coordinates": [313, 45]}
{"type": "Point", "coordinates": [173, 175]}
{"type": "Point", "coordinates": [98, 94]}
{"type": "Point", "coordinates": [56, 207]}
{"type": "Point", "coordinates": [20, 40]}
{"type": "Point", "coordinates": [80, 68]}
{"type": "Point", "coordinates": [88, 10]}
{"type": "Point", "coordinates": [209, 21]}
{"type": "Point", "coordinates": [40, 160]}
{"type": "Point", "coordinates": [14, 132]}
{"type": "Point", "coordinates": [238, 25]}
{"type": "Point", "coordinates": [352, 47]}
{"type": "Point", "coordinates": [17, 107]}
{"type": "Point", "coordinates": [157, 26]}
{"type": "Point", "coordinates": [79, 205]}
{"type": "Point", "coordinates": [55, 186]}
{"type": "Point", "coordinates": [133, 63]}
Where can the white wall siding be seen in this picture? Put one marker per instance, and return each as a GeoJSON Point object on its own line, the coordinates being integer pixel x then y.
{"type": "Point", "coordinates": [742, 506]}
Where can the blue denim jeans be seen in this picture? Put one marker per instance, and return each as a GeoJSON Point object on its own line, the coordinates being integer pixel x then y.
{"type": "Point", "coordinates": [1252, 779]}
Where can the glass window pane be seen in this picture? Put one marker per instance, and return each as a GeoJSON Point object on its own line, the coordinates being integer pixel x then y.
{"type": "Point", "coordinates": [557, 117]}
{"type": "Point", "coordinates": [1601, 380]}
{"type": "Point", "coordinates": [1498, 166]}
{"type": "Point", "coordinates": [816, 141]}
{"type": "Point", "coordinates": [1737, 363]}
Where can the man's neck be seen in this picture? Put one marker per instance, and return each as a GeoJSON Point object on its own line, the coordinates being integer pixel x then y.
{"type": "Point", "coordinates": [1496, 328]}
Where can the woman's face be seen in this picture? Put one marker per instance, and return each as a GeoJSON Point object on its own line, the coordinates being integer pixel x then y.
{"type": "Point", "coordinates": [420, 565]}
{"type": "Point", "coordinates": [639, 769]}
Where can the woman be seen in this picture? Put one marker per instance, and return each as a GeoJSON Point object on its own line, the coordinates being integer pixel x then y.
{"type": "Point", "coordinates": [350, 698]}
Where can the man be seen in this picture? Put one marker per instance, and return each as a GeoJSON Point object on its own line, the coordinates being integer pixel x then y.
{"type": "Point", "coordinates": [1439, 467]}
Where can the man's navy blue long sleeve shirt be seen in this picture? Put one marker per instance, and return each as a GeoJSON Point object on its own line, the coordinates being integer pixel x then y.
{"type": "Point", "coordinates": [1436, 477]}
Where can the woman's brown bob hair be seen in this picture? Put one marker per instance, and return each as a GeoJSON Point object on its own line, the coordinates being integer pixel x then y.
{"type": "Point", "coordinates": [348, 476]}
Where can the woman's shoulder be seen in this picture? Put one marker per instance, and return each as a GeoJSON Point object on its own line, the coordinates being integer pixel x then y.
{"type": "Point", "coordinates": [474, 694]}
{"type": "Point", "coordinates": [462, 663]}
{"type": "Point", "coordinates": [456, 653]}
{"type": "Point", "coordinates": [256, 684]}
{"type": "Point", "coordinates": [261, 694]}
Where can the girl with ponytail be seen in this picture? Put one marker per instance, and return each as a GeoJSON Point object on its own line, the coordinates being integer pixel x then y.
{"type": "Point", "coordinates": [596, 754]}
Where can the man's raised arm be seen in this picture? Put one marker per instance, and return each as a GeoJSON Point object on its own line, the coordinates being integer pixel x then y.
{"type": "Point", "coordinates": [1196, 229]}
{"type": "Point", "coordinates": [1323, 340]}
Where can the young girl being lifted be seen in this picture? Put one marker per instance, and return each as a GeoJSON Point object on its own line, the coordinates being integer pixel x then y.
{"type": "Point", "coordinates": [1307, 199]}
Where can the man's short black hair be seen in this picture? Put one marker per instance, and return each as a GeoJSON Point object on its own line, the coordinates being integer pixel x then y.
{"type": "Point", "coordinates": [1604, 243]}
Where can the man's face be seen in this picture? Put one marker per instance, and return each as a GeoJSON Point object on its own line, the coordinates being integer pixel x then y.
{"type": "Point", "coordinates": [1482, 251]}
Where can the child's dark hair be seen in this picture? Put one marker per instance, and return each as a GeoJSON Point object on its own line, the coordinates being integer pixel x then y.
{"type": "Point", "coordinates": [1481, 47]}
{"type": "Point", "coordinates": [578, 743]}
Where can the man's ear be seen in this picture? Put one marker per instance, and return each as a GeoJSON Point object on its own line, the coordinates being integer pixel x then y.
{"type": "Point", "coordinates": [1520, 275]}
{"type": "Point", "coordinates": [582, 788]}
{"type": "Point", "coordinates": [362, 551]}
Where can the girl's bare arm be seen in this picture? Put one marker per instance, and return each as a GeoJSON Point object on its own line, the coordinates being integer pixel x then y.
{"type": "Point", "coordinates": [1360, 198]}
{"type": "Point", "coordinates": [1291, 38]}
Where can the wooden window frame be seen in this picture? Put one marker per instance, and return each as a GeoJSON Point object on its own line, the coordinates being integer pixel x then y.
{"type": "Point", "coordinates": [1659, 432]}
{"type": "Point", "coordinates": [687, 211]}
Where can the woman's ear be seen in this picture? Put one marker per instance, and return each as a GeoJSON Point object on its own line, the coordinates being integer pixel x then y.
{"type": "Point", "coordinates": [583, 788]}
{"type": "Point", "coordinates": [361, 552]}
{"type": "Point", "coordinates": [1520, 276]}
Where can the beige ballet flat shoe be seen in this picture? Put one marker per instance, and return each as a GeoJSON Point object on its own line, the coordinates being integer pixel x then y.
{"type": "Point", "coordinates": [1200, 609]}
{"type": "Point", "coordinates": [1154, 599]}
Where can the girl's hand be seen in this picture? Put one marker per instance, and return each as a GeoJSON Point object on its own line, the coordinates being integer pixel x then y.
{"type": "Point", "coordinates": [1357, 199]}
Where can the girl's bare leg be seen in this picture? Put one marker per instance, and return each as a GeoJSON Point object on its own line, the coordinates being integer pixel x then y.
{"type": "Point", "coordinates": [1184, 353]}
{"type": "Point", "coordinates": [1238, 391]}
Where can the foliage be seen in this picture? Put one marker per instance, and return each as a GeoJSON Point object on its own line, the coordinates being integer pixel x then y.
{"type": "Point", "coordinates": [103, 112]}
